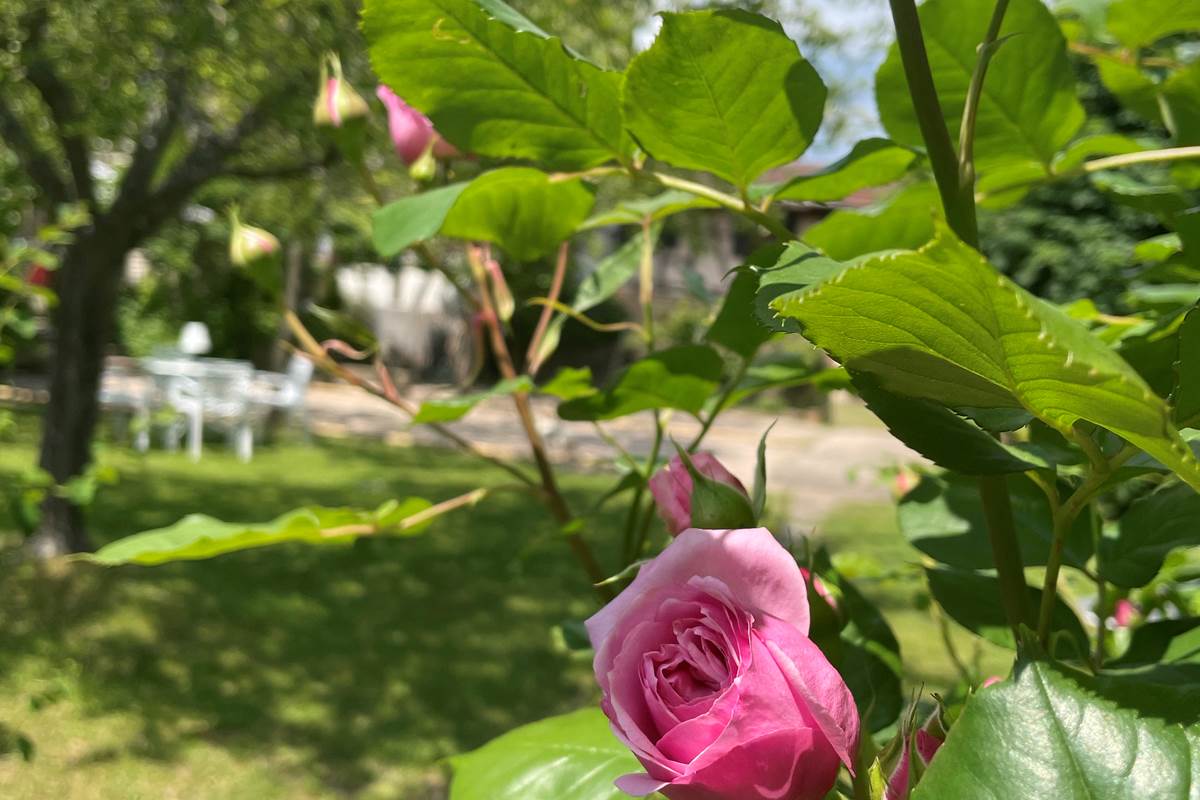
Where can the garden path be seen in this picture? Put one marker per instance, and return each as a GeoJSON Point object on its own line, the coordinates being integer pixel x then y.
{"type": "Point", "coordinates": [814, 466]}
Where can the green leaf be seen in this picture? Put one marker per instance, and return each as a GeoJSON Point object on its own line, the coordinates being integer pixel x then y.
{"type": "Point", "coordinates": [904, 220]}
{"type": "Point", "coordinates": [1133, 552]}
{"type": "Point", "coordinates": [866, 651]}
{"type": "Point", "coordinates": [1185, 397]}
{"type": "Point", "coordinates": [494, 84]}
{"type": "Point", "coordinates": [523, 210]}
{"type": "Point", "coordinates": [972, 599]}
{"type": "Point", "coordinates": [783, 269]}
{"type": "Point", "coordinates": [455, 408]}
{"type": "Point", "coordinates": [1044, 736]}
{"type": "Point", "coordinates": [1167, 641]}
{"type": "Point", "coordinates": [1158, 248]}
{"type": "Point", "coordinates": [413, 219]}
{"type": "Point", "coordinates": [871, 162]}
{"type": "Point", "coordinates": [758, 495]}
{"type": "Point", "coordinates": [723, 91]}
{"type": "Point", "coordinates": [763, 377]}
{"type": "Point", "coordinates": [1141, 23]}
{"type": "Point", "coordinates": [569, 383]}
{"type": "Point", "coordinates": [660, 206]}
{"type": "Point", "coordinates": [572, 756]}
{"type": "Point", "coordinates": [199, 536]}
{"type": "Point", "coordinates": [943, 517]}
{"type": "Point", "coordinates": [942, 324]}
{"type": "Point", "coordinates": [1132, 87]}
{"type": "Point", "coordinates": [1104, 144]}
{"type": "Point", "coordinates": [736, 326]}
{"type": "Point", "coordinates": [1028, 110]}
{"type": "Point", "coordinates": [942, 436]}
{"type": "Point", "coordinates": [680, 377]}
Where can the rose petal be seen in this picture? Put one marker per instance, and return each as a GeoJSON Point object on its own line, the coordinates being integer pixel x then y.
{"type": "Point", "coordinates": [756, 569]}
{"type": "Point", "coordinates": [817, 683]}
{"type": "Point", "coordinates": [639, 784]}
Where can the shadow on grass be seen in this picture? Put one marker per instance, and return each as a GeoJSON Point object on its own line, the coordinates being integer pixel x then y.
{"type": "Point", "coordinates": [361, 658]}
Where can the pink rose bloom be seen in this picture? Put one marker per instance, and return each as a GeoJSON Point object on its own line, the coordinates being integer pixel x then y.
{"type": "Point", "coordinates": [709, 677]}
{"type": "Point", "coordinates": [672, 488]}
{"type": "Point", "coordinates": [1124, 612]}
{"type": "Point", "coordinates": [411, 130]}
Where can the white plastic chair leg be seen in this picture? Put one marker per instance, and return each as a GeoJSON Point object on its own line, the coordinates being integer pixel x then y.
{"type": "Point", "coordinates": [195, 435]}
{"type": "Point", "coordinates": [244, 442]}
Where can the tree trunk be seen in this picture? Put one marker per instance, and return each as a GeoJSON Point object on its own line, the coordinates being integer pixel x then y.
{"type": "Point", "coordinates": [86, 283]}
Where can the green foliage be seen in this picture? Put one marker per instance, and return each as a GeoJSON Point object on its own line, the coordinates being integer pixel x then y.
{"type": "Point", "coordinates": [916, 336]}
{"type": "Point", "coordinates": [1141, 23]}
{"type": "Point", "coordinates": [575, 755]}
{"type": "Point", "coordinates": [415, 218]}
{"type": "Point", "coordinates": [494, 84]}
{"type": "Point", "coordinates": [943, 517]}
{"type": "Point", "coordinates": [972, 599]}
{"type": "Point", "coordinates": [199, 536]}
{"type": "Point", "coordinates": [904, 220]}
{"type": "Point", "coordinates": [723, 91]}
{"type": "Point", "coordinates": [736, 326]}
{"type": "Point", "coordinates": [457, 407]}
{"type": "Point", "coordinates": [1028, 111]}
{"type": "Point", "coordinates": [1015, 738]}
{"type": "Point", "coordinates": [680, 377]}
{"type": "Point", "coordinates": [871, 162]}
{"type": "Point", "coordinates": [1153, 526]}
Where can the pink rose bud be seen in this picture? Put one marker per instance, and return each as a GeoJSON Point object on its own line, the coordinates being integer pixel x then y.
{"type": "Point", "coordinates": [337, 103]}
{"type": "Point", "coordinates": [991, 681]}
{"type": "Point", "coordinates": [930, 736]}
{"type": "Point", "coordinates": [412, 133]}
{"type": "Point", "coordinates": [820, 588]}
{"type": "Point", "coordinates": [707, 674]}
{"type": "Point", "coordinates": [672, 488]}
{"type": "Point", "coordinates": [248, 244]}
{"type": "Point", "coordinates": [1124, 613]}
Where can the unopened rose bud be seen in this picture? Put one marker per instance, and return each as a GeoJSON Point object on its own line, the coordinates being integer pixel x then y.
{"type": "Point", "coordinates": [674, 490]}
{"type": "Point", "coordinates": [337, 103]}
{"type": "Point", "coordinates": [505, 305]}
{"type": "Point", "coordinates": [248, 244]}
{"type": "Point", "coordinates": [412, 133]}
{"type": "Point", "coordinates": [1125, 613]}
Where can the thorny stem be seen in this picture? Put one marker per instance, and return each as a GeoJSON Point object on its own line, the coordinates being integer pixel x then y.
{"type": "Point", "coordinates": [959, 207]}
{"type": "Point", "coordinates": [722, 399]}
{"type": "Point", "coordinates": [533, 360]}
{"type": "Point", "coordinates": [555, 502]}
{"type": "Point", "coordinates": [1101, 590]}
{"type": "Point", "coordinates": [646, 282]}
{"type": "Point", "coordinates": [312, 349]}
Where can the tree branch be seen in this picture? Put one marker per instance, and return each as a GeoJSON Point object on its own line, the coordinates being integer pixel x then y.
{"type": "Point", "coordinates": [64, 110]}
{"type": "Point", "coordinates": [34, 160]}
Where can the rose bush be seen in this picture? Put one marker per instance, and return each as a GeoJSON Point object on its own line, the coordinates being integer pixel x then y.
{"type": "Point", "coordinates": [709, 677]}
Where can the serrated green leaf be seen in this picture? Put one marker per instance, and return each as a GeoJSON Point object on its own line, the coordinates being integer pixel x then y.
{"type": "Point", "coordinates": [455, 408]}
{"type": "Point", "coordinates": [521, 209]}
{"type": "Point", "coordinates": [1043, 736]}
{"type": "Point", "coordinates": [658, 207]}
{"type": "Point", "coordinates": [943, 517]}
{"type": "Point", "coordinates": [736, 326]}
{"type": "Point", "coordinates": [412, 219]}
{"type": "Point", "coordinates": [680, 377]}
{"type": "Point", "coordinates": [941, 435]}
{"type": "Point", "coordinates": [904, 220]}
{"type": "Point", "coordinates": [494, 84]}
{"type": "Point", "coordinates": [198, 536]}
{"type": "Point", "coordinates": [1141, 23]}
{"type": "Point", "coordinates": [1132, 553]}
{"type": "Point", "coordinates": [1028, 110]}
{"type": "Point", "coordinates": [571, 756]}
{"type": "Point", "coordinates": [783, 269]}
{"type": "Point", "coordinates": [972, 599]}
{"type": "Point", "coordinates": [724, 91]}
{"type": "Point", "coordinates": [941, 324]}
{"type": "Point", "coordinates": [871, 162]}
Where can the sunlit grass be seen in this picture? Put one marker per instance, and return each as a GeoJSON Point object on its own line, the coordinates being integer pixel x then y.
{"type": "Point", "coordinates": [313, 673]}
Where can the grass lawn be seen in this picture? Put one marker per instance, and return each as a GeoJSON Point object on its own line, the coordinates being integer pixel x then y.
{"type": "Point", "coordinates": [314, 673]}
